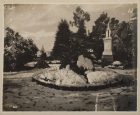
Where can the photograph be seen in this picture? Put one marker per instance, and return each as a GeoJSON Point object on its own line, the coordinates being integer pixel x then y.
{"type": "Point", "coordinates": [70, 57]}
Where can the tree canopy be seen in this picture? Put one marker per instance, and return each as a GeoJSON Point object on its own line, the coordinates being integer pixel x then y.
{"type": "Point", "coordinates": [61, 45]}
{"type": "Point", "coordinates": [69, 45]}
{"type": "Point", "coordinates": [122, 41]}
{"type": "Point", "coordinates": [17, 50]}
{"type": "Point", "coordinates": [98, 33]}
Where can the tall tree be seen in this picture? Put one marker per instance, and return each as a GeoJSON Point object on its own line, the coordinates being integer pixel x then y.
{"type": "Point", "coordinates": [9, 36]}
{"type": "Point", "coordinates": [61, 46]}
{"type": "Point", "coordinates": [41, 61]}
{"type": "Point", "coordinates": [43, 53]}
{"type": "Point", "coordinates": [133, 26]}
{"type": "Point", "coordinates": [122, 41]}
{"type": "Point", "coordinates": [98, 33]}
{"type": "Point", "coordinates": [17, 50]}
{"type": "Point", "coordinates": [80, 17]}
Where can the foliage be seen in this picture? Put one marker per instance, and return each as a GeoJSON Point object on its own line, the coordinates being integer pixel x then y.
{"type": "Point", "coordinates": [122, 41]}
{"type": "Point", "coordinates": [17, 50]}
{"type": "Point", "coordinates": [41, 63]}
{"type": "Point", "coordinates": [61, 45]}
{"type": "Point", "coordinates": [68, 45]}
{"type": "Point", "coordinates": [80, 16]}
{"type": "Point", "coordinates": [133, 26]}
{"type": "Point", "coordinates": [97, 35]}
{"type": "Point", "coordinates": [77, 40]}
{"type": "Point", "coordinates": [79, 19]}
{"type": "Point", "coordinates": [43, 53]}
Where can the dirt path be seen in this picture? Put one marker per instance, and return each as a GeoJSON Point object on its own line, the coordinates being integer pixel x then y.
{"type": "Point", "coordinates": [21, 94]}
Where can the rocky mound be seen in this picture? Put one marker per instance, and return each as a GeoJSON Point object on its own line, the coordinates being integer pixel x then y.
{"type": "Point", "coordinates": [102, 77]}
{"type": "Point", "coordinates": [68, 78]}
{"type": "Point", "coordinates": [63, 77]}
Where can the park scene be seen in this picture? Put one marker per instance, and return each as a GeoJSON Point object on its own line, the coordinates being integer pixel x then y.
{"type": "Point", "coordinates": [70, 57]}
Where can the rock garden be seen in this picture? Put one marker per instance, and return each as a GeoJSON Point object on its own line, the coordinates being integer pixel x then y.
{"type": "Point", "coordinates": [93, 77]}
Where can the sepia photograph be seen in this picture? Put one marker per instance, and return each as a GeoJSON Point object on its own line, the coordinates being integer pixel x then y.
{"type": "Point", "coordinates": [70, 57]}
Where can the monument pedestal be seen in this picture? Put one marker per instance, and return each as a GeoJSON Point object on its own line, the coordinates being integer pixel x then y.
{"type": "Point", "coordinates": [107, 59]}
{"type": "Point", "coordinates": [107, 56]}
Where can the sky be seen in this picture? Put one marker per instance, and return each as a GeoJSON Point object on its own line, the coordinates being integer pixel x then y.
{"type": "Point", "coordinates": [40, 21]}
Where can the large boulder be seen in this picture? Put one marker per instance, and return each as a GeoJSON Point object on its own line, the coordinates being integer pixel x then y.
{"type": "Point", "coordinates": [65, 77]}
{"type": "Point", "coordinates": [101, 77]}
{"type": "Point", "coordinates": [84, 62]}
{"type": "Point", "coordinates": [30, 64]}
{"type": "Point", "coordinates": [116, 63]}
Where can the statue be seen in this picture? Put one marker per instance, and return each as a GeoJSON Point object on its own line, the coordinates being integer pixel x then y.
{"type": "Point", "coordinates": [107, 57]}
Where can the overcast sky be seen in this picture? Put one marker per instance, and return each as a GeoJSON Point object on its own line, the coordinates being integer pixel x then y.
{"type": "Point", "coordinates": [40, 22]}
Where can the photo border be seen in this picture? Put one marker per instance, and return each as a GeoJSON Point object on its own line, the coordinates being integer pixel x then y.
{"type": "Point", "coordinates": [2, 2]}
